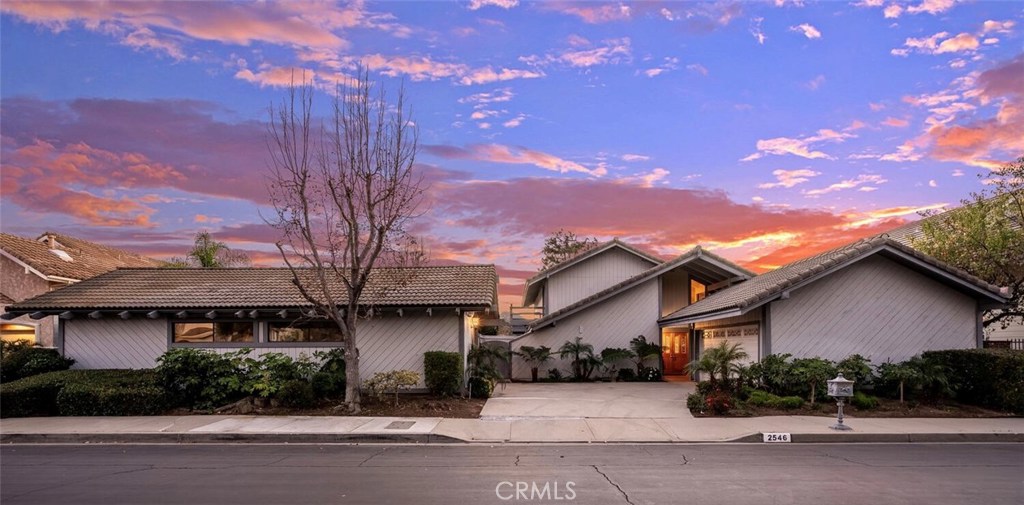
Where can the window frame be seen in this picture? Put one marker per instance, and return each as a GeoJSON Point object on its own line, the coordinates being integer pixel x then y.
{"type": "Point", "coordinates": [269, 343]}
{"type": "Point", "coordinates": [170, 333]}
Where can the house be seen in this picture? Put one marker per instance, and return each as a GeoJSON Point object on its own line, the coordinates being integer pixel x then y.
{"type": "Point", "coordinates": [876, 297]}
{"type": "Point", "coordinates": [127, 318]}
{"type": "Point", "coordinates": [32, 267]}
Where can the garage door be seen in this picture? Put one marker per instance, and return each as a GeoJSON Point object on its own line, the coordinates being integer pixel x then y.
{"type": "Point", "coordinates": [747, 336]}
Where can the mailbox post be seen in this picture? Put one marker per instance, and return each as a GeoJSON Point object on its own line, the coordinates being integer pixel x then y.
{"type": "Point", "coordinates": [840, 388]}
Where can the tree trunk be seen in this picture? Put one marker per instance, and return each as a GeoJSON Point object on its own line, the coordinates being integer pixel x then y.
{"type": "Point", "coordinates": [901, 392]}
{"type": "Point", "coordinates": [533, 372]}
{"type": "Point", "coordinates": [813, 393]}
{"type": "Point", "coordinates": [352, 381]}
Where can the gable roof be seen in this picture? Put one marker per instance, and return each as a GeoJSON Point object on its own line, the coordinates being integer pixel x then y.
{"type": "Point", "coordinates": [241, 288]}
{"type": "Point", "coordinates": [697, 253]}
{"type": "Point", "coordinates": [533, 283]}
{"type": "Point", "coordinates": [88, 259]}
{"type": "Point", "coordinates": [766, 287]}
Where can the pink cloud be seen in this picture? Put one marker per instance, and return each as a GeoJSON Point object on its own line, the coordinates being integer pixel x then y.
{"type": "Point", "coordinates": [592, 13]}
{"type": "Point", "coordinates": [498, 153]}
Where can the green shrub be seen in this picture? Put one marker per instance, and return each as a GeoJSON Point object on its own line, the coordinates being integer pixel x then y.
{"type": "Point", "coordinates": [392, 382]}
{"type": "Point", "coordinates": [627, 375]}
{"type": "Point", "coordinates": [133, 393]}
{"type": "Point", "coordinates": [555, 374]}
{"type": "Point", "coordinates": [811, 374]}
{"type": "Point", "coordinates": [32, 396]}
{"type": "Point", "coordinates": [696, 402]}
{"type": "Point", "coordinates": [22, 360]}
{"type": "Point", "coordinates": [858, 369]}
{"type": "Point", "coordinates": [790, 402]}
{"type": "Point", "coordinates": [201, 379]}
{"type": "Point", "coordinates": [650, 374]}
{"type": "Point", "coordinates": [863, 401]}
{"type": "Point", "coordinates": [264, 376]}
{"type": "Point", "coordinates": [760, 398]}
{"type": "Point", "coordinates": [774, 374]}
{"type": "Point", "coordinates": [297, 394]}
{"type": "Point", "coordinates": [992, 378]}
{"type": "Point", "coordinates": [443, 372]}
{"type": "Point", "coordinates": [330, 380]}
{"type": "Point", "coordinates": [706, 387]}
{"type": "Point", "coordinates": [480, 387]}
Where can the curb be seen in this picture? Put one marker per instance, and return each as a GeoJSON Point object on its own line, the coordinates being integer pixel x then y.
{"type": "Point", "coordinates": [216, 438]}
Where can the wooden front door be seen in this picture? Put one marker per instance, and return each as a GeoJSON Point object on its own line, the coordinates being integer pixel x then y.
{"type": "Point", "coordinates": [675, 351]}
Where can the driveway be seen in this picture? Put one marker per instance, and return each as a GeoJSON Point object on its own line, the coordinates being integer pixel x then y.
{"type": "Point", "coordinates": [572, 400]}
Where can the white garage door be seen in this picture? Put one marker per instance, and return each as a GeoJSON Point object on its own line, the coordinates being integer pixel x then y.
{"type": "Point", "coordinates": [747, 336]}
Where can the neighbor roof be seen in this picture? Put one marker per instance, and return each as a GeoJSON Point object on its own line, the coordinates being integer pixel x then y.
{"type": "Point", "coordinates": [769, 286]}
{"type": "Point", "coordinates": [239, 288]}
{"type": "Point", "coordinates": [697, 253]}
{"type": "Point", "coordinates": [87, 259]}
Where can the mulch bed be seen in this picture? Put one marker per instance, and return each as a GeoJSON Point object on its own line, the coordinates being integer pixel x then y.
{"type": "Point", "coordinates": [886, 408]}
{"type": "Point", "coordinates": [409, 405]}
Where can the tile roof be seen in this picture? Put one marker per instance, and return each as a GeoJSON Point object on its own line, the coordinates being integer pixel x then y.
{"type": "Point", "coordinates": [692, 254]}
{"type": "Point", "coordinates": [767, 286]}
{"type": "Point", "coordinates": [88, 259]}
{"type": "Point", "coordinates": [182, 288]}
{"type": "Point", "coordinates": [6, 300]}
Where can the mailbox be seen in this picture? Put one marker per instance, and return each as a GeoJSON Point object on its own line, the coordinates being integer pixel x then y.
{"type": "Point", "coordinates": [840, 387]}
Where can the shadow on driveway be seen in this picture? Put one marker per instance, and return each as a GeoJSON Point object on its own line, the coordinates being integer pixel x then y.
{"type": "Point", "coordinates": [570, 400]}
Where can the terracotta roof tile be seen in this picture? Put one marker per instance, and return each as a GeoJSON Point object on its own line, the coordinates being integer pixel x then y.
{"type": "Point", "coordinates": [88, 259]}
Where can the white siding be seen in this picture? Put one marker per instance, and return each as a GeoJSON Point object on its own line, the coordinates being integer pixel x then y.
{"type": "Point", "coordinates": [115, 343]}
{"type": "Point", "coordinates": [592, 275]}
{"type": "Point", "coordinates": [611, 323]}
{"type": "Point", "coordinates": [390, 343]}
{"type": "Point", "coordinates": [675, 291]}
{"type": "Point", "coordinates": [875, 308]}
{"type": "Point", "coordinates": [997, 332]}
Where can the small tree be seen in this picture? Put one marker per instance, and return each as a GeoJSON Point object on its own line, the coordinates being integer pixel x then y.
{"type": "Point", "coordinates": [208, 252]}
{"type": "Point", "coordinates": [342, 196]}
{"type": "Point", "coordinates": [905, 375]}
{"type": "Point", "coordinates": [858, 369]}
{"type": "Point", "coordinates": [642, 351]}
{"type": "Point", "coordinates": [720, 362]}
{"type": "Point", "coordinates": [581, 356]}
{"type": "Point", "coordinates": [535, 357]}
{"type": "Point", "coordinates": [562, 245]}
{"type": "Point", "coordinates": [813, 372]}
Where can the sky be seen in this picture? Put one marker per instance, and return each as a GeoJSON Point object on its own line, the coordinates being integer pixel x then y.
{"type": "Point", "coordinates": [763, 131]}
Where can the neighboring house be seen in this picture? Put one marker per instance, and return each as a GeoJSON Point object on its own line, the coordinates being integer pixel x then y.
{"type": "Point", "coordinates": [32, 267]}
{"type": "Point", "coordinates": [129, 317]}
{"type": "Point", "coordinates": [614, 293]}
{"type": "Point", "coordinates": [874, 297]}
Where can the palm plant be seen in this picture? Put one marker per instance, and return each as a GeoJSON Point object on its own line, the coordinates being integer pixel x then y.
{"type": "Point", "coordinates": [642, 351]}
{"type": "Point", "coordinates": [483, 362]}
{"type": "Point", "coordinates": [581, 356]}
{"type": "Point", "coordinates": [535, 357]}
{"type": "Point", "coordinates": [720, 362]}
{"type": "Point", "coordinates": [612, 355]}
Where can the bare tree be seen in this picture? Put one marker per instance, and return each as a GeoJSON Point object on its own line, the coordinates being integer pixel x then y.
{"type": "Point", "coordinates": [343, 192]}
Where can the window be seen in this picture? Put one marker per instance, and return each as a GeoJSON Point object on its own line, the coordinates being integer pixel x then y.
{"type": "Point", "coordinates": [10, 332]}
{"type": "Point", "coordinates": [305, 331]}
{"type": "Point", "coordinates": [212, 332]}
{"type": "Point", "coordinates": [697, 291]}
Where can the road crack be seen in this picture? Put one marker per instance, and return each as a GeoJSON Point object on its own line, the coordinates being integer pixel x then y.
{"type": "Point", "coordinates": [517, 460]}
{"type": "Point", "coordinates": [374, 455]}
{"type": "Point", "coordinates": [625, 496]}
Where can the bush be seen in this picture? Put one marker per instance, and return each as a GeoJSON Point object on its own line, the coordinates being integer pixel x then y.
{"type": "Point", "coordinates": [863, 401]}
{"type": "Point", "coordinates": [330, 380]}
{"type": "Point", "coordinates": [992, 378]}
{"type": "Point", "coordinates": [265, 376]}
{"type": "Point", "coordinates": [706, 387]}
{"type": "Point", "coordinates": [696, 402]}
{"type": "Point", "coordinates": [650, 374]}
{"type": "Point", "coordinates": [201, 379]}
{"type": "Point", "coordinates": [134, 393]}
{"type": "Point", "coordinates": [858, 369]}
{"type": "Point", "coordinates": [443, 372]}
{"type": "Point", "coordinates": [790, 402]}
{"type": "Point", "coordinates": [297, 394]}
{"type": "Point", "coordinates": [83, 392]}
{"type": "Point", "coordinates": [480, 387]}
{"type": "Point", "coordinates": [811, 374]}
{"type": "Point", "coordinates": [762, 399]}
{"type": "Point", "coordinates": [386, 383]}
{"type": "Point", "coordinates": [22, 360]}
{"type": "Point", "coordinates": [627, 375]}
{"type": "Point", "coordinates": [719, 402]}
{"type": "Point", "coordinates": [555, 374]}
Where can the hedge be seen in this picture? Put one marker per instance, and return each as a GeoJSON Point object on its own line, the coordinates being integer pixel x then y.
{"type": "Point", "coordinates": [443, 372]}
{"type": "Point", "coordinates": [992, 378]}
{"type": "Point", "coordinates": [20, 361]}
{"type": "Point", "coordinates": [83, 393]}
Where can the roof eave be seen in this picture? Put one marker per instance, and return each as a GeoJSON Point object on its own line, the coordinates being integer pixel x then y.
{"type": "Point", "coordinates": [697, 318]}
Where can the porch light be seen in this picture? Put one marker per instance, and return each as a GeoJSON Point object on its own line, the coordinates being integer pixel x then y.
{"type": "Point", "coordinates": [840, 388]}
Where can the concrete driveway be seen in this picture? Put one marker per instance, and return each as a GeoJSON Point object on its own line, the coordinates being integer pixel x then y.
{"type": "Point", "coordinates": [571, 400]}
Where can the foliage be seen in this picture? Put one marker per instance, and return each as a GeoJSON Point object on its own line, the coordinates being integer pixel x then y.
{"type": "Point", "coordinates": [201, 379]}
{"type": "Point", "coordinates": [442, 372]}
{"type": "Point", "coordinates": [696, 402]}
{"type": "Point", "coordinates": [296, 393]}
{"type": "Point", "coordinates": [719, 362]}
{"type": "Point", "coordinates": [207, 252]}
{"type": "Point", "coordinates": [483, 362]}
{"type": "Point", "coordinates": [790, 402]}
{"type": "Point", "coordinates": [555, 374]}
{"type": "Point", "coordinates": [268, 373]}
{"type": "Point", "coordinates": [563, 245]}
{"type": "Point", "coordinates": [535, 357]}
{"type": "Point", "coordinates": [626, 375]}
{"type": "Point", "coordinates": [480, 387]}
{"type": "Point", "coordinates": [985, 236]}
{"type": "Point", "coordinates": [581, 356]}
{"type": "Point", "coordinates": [774, 373]}
{"type": "Point", "coordinates": [488, 330]}
{"type": "Point", "coordinates": [992, 378]}
{"type": "Point", "coordinates": [760, 398]}
{"type": "Point", "coordinates": [329, 381]}
{"type": "Point", "coordinates": [863, 401]}
{"type": "Point", "coordinates": [858, 369]}
{"type": "Point", "coordinates": [719, 402]}
{"type": "Point", "coordinates": [343, 191]}
{"type": "Point", "coordinates": [95, 392]}
{"type": "Point", "coordinates": [610, 356]}
{"type": "Point", "coordinates": [392, 382]}
{"type": "Point", "coordinates": [650, 374]}
{"type": "Point", "coordinates": [20, 359]}
{"type": "Point", "coordinates": [813, 373]}
{"type": "Point", "coordinates": [915, 376]}
{"type": "Point", "coordinates": [643, 351]}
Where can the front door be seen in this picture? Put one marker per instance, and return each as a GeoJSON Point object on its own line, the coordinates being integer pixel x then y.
{"type": "Point", "coordinates": [675, 352]}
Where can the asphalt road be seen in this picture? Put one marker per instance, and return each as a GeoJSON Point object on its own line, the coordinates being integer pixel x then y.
{"type": "Point", "coordinates": [462, 475]}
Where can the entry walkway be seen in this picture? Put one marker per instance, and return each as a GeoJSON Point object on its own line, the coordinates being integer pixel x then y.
{"type": "Point", "coordinates": [589, 400]}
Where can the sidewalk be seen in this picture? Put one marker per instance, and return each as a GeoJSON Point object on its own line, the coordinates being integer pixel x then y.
{"type": "Point", "coordinates": [294, 429]}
